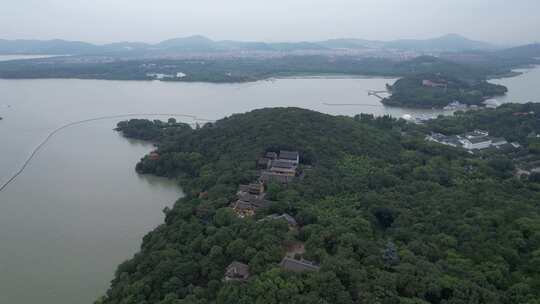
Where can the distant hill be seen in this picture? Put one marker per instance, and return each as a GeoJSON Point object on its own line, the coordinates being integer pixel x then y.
{"type": "Point", "coordinates": [203, 44]}
{"type": "Point", "coordinates": [448, 43]}
{"type": "Point", "coordinates": [125, 46]}
{"type": "Point", "coordinates": [192, 43]}
{"type": "Point", "coordinates": [351, 43]}
{"type": "Point", "coordinates": [525, 51]}
{"type": "Point", "coordinates": [48, 47]}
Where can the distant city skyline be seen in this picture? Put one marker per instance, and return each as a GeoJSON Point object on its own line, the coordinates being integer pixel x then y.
{"type": "Point", "coordinates": [105, 21]}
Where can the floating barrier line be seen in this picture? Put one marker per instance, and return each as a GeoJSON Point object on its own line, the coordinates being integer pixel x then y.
{"type": "Point", "coordinates": [71, 124]}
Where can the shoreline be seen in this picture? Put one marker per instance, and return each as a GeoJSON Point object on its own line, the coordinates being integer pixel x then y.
{"type": "Point", "coordinates": [514, 73]}
{"type": "Point", "coordinates": [269, 78]}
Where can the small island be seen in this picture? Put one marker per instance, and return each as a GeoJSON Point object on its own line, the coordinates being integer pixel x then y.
{"type": "Point", "coordinates": [436, 90]}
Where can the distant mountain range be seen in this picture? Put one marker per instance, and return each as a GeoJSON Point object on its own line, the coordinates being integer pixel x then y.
{"type": "Point", "coordinates": [447, 43]}
{"type": "Point", "coordinates": [525, 51]}
{"type": "Point", "coordinates": [46, 47]}
{"type": "Point", "coordinates": [450, 42]}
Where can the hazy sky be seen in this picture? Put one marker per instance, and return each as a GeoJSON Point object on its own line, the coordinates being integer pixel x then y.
{"type": "Point", "coordinates": [101, 21]}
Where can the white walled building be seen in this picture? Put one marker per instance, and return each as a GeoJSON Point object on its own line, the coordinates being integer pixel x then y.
{"type": "Point", "coordinates": [476, 143]}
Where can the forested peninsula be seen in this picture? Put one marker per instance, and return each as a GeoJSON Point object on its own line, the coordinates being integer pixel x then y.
{"type": "Point", "coordinates": [234, 70]}
{"type": "Point", "coordinates": [438, 91]}
{"type": "Point", "coordinates": [436, 83]}
{"type": "Point", "coordinates": [383, 215]}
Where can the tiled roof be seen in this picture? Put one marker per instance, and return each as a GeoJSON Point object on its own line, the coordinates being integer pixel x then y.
{"type": "Point", "coordinates": [477, 140]}
{"type": "Point", "coordinates": [290, 220]}
{"type": "Point", "coordinates": [282, 164]}
{"type": "Point", "coordinates": [274, 177]}
{"type": "Point", "coordinates": [297, 265]}
{"type": "Point", "coordinates": [290, 155]}
{"type": "Point", "coordinates": [271, 155]}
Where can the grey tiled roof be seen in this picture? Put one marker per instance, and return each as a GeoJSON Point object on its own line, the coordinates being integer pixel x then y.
{"type": "Point", "coordinates": [290, 220]}
{"type": "Point", "coordinates": [297, 265]}
{"type": "Point", "coordinates": [274, 177]}
{"type": "Point", "coordinates": [271, 155]}
{"type": "Point", "coordinates": [282, 164]}
{"type": "Point", "coordinates": [477, 140]}
{"type": "Point", "coordinates": [290, 155]}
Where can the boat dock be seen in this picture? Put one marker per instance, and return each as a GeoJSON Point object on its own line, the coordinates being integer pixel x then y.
{"type": "Point", "coordinates": [377, 93]}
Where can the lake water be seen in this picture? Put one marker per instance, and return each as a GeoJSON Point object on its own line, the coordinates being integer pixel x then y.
{"type": "Point", "coordinates": [522, 88]}
{"type": "Point", "coordinates": [21, 57]}
{"type": "Point", "coordinates": [79, 209]}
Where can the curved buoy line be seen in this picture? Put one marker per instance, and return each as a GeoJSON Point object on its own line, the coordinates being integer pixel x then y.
{"type": "Point", "coordinates": [71, 124]}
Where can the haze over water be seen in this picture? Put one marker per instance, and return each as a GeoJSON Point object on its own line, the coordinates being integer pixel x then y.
{"type": "Point", "coordinates": [80, 208]}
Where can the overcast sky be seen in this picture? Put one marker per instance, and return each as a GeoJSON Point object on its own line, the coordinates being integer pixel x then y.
{"type": "Point", "coordinates": [102, 21]}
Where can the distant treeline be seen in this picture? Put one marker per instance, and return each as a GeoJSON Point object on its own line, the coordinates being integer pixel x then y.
{"type": "Point", "coordinates": [241, 70]}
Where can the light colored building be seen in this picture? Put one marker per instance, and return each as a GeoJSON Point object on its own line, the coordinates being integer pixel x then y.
{"type": "Point", "coordinates": [492, 103]}
{"type": "Point", "coordinates": [433, 84]}
{"type": "Point", "coordinates": [159, 76]}
{"type": "Point", "coordinates": [476, 143]}
{"type": "Point", "coordinates": [477, 133]}
{"type": "Point", "coordinates": [452, 140]}
{"type": "Point", "coordinates": [498, 141]}
{"type": "Point", "coordinates": [475, 140]}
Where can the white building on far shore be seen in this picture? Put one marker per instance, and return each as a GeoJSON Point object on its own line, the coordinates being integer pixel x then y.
{"type": "Point", "coordinates": [475, 140]}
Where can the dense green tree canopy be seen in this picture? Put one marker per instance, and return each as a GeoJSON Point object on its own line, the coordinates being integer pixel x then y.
{"type": "Point", "coordinates": [466, 89]}
{"type": "Point", "coordinates": [246, 69]}
{"type": "Point", "coordinates": [389, 217]}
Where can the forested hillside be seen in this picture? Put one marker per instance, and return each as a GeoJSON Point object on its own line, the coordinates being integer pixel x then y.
{"type": "Point", "coordinates": [240, 69]}
{"type": "Point", "coordinates": [438, 90]}
{"type": "Point", "coordinates": [389, 217]}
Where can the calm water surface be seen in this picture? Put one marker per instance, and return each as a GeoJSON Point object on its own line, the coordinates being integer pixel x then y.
{"type": "Point", "coordinates": [522, 88]}
{"type": "Point", "coordinates": [80, 209]}
{"type": "Point", "coordinates": [21, 57]}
